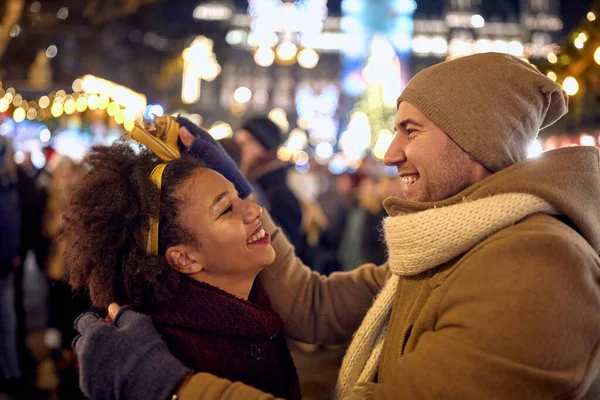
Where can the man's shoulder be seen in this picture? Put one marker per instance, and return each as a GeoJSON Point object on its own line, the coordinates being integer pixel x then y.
{"type": "Point", "coordinates": [537, 243]}
{"type": "Point", "coordinates": [547, 228]}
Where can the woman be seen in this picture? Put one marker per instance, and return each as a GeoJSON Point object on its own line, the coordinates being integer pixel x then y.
{"type": "Point", "coordinates": [179, 242]}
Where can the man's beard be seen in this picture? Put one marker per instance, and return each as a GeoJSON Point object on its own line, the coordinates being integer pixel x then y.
{"type": "Point", "coordinates": [450, 175]}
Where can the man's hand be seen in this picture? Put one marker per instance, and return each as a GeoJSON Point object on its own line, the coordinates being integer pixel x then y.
{"type": "Point", "coordinates": [125, 360]}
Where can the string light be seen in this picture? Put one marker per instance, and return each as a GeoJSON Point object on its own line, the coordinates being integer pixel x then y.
{"type": "Point", "coordinates": [19, 114]}
{"type": "Point", "coordinates": [57, 110]}
{"type": "Point", "coordinates": [31, 114]}
{"type": "Point", "coordinates": [44, 102]}
{"type": "Point", "coordinates": [570, 86]}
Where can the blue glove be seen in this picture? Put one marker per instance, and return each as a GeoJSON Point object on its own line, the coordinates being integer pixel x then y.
{"type": "Point", "coordinates": [127, 360]}
{"type": "Point", "coordinates": [215, 157]}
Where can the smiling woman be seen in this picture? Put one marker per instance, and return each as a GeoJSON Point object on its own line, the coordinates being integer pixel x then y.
{"type": "Point", "coordinates": [199, 287]}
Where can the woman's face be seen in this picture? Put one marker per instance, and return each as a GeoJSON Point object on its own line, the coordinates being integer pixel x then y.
{"type": "Point", "coordinates": [230, 240]}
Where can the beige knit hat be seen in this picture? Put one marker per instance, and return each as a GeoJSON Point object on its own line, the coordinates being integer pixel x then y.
{"type": "Point", "coordinates": [492, 105]}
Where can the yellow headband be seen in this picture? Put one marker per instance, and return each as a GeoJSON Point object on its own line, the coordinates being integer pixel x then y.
{"type": "Point", "coordinates": [161, 138]}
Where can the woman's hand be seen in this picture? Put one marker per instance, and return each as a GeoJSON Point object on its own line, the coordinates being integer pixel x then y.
{"type": "Point", "coordinates": [200, 144]}
{"type": "Point", "coordinates": [125, 359]}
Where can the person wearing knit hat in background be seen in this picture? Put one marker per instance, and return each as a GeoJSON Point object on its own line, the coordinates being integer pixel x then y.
{"type": "Point", "coordinates": [492, 285]}
{"type": "Point", "coordinates": [259, 138]}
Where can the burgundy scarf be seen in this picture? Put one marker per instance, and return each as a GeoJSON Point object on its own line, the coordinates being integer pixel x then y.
{"type": "Point", "coordinates": [210, 330]}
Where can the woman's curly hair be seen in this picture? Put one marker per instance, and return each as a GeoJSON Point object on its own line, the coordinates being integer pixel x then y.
{"type": "Point", "coordinates": [106, 225]}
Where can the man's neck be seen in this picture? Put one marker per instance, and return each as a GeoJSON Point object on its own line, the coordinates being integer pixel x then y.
{"type": "Point", "coordinates": [239, 287]}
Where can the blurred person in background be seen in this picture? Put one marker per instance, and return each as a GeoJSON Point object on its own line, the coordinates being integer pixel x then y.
{"type": "Point", "coordinates": [10, 227]}
{"type": "Point", "coordinates": [32, 200]}
{"type": "Point", "coordinates": [351, 251]}
{"type": "Point", "coordinates": [373, 241]}
{"type": "Point", "coordinates": [259, 138]}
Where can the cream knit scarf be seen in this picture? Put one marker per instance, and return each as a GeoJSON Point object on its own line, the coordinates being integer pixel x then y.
{"type": "Point", "coordinates": [421, 241]}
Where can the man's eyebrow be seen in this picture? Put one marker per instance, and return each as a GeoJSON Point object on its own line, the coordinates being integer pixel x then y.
{"type": "Point", "coordinates": [410, 121]}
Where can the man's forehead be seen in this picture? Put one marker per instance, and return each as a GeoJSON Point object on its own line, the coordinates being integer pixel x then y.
{"type": "Point", "coordinates": [407, 110]}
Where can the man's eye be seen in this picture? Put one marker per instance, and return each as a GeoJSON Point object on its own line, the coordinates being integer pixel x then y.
{"type": "Point", "coordinates": [411, 132]}
{"type": "Point", "coordinates": [227, 210]}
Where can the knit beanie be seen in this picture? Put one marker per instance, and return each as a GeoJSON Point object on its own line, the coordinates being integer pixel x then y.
{"type": "Point", "coordinates": [265, 131]}
{"type": "Point", "coordinates": [492, 105]}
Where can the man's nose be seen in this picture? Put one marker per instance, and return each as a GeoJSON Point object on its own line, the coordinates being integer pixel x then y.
{"type": "Point", "coordinates": [395, 155]}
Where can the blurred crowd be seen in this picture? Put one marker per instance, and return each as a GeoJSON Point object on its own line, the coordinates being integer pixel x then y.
{"type": "Point", "coordinates": [334, 221]}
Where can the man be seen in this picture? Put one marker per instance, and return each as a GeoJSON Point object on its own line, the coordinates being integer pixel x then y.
{"type": "Point", "coordinates": [259, 138]}
{"type": "Point", "coordinates": [492, 288]}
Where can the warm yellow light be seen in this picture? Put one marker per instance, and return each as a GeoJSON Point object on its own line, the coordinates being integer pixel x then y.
{"type": "Point", "coordinates": [128, 125]}
{"type": "Point", "coordinates": [300, 156]}
{"type": "Point", "coordinates": [17, 100]}
{"type": "Point", "coordinates": [591, 16]}
{"type": "Point", "coordinates": [81, 104]}
{"type": "Point", "coordinates": [570, 86]}
{"type": "Point", "coordinates": [308, 58]}
{"type": "Point", "coordinates": [70, 106]}
{"type": "Point", "coordinates": [112, 108]}
{"type": "Point", "coordinates": [19, 114]}
{"type": "Point", "coordinates": [552, 75]}
{"type": "Point", "coordinates": [264, 56]}
{"type": "Point", "coordinates": [60, 94]}
{"type": "Point", "coordinates": [77, 85]}
{"type": "Point", "coordinates": [120, 117]}
{"type": "Point", "coordinates": [579, 43]}
{"type": "Point", "coordinates": [384, 140]}
{"type": "Point", "coordinates": [56, 110]}
{"type": "Point", "coordinates": [31, 114]}
{"type": "Point", "coordinates": [583, 36]}
{"type": "Point", "coordinates": [242, 95]}
{"type": "Point", "coordinates": [44, 102]}
{"type": "Point", "coordinates": [284, 154]}
{"type": "Point", "coordinates": [552, 58]}
{"type": "Point", "coordinates": [9, 96]}
{"type": "Point", "coordinates": [286, 51]}
{"type": "Point", "coordinates": [104, 101]}
{"type": "Point", "coordinates": [4, 104]}
{"type": "Point", "coordinates": [221, 130]}
{"type": "Point", "coordinates": [597, 55]}
{"type": "Point", "coordinates": [93, 101]}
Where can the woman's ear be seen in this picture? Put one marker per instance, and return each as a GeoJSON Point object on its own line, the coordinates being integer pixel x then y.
{"type": "Point", "coordinates": [183, 260]}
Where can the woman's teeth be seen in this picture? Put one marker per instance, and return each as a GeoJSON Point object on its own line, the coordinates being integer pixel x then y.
{"type": "Point", "coordinates": [261, 234]}
{"type": "Point", "coordinates": [410, 179]}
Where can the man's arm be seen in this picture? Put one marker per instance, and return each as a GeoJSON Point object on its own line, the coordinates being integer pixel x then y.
{"type": "Point", "coordinates": [315, 308]}
{"type": "Point", "coordinates": [520, 319]}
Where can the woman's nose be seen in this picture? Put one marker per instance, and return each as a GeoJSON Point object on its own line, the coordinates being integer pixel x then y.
{"type": "Point", "coordinates": [252, 212]}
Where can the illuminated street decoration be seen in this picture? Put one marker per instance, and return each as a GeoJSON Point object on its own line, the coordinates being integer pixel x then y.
{"type": "Point", "coordinates": [199, 63]}
{"type": "Point", "coordinates": [213, 11]}
{"type": "Point", "coordinates": [364, 20]}
{"type": "Point", "coordinates": [290, 20]}
{"type": "Point", "coordinates": [301, 16]}
{"type": "Point", "coordinates": [318, 111]}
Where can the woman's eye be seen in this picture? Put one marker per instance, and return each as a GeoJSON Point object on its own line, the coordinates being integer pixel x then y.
{"type": "Point", "coordinates": [227, 210]}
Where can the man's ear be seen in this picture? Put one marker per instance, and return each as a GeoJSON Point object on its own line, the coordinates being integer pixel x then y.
{"type": "Point", "coordinates": [183, 260]}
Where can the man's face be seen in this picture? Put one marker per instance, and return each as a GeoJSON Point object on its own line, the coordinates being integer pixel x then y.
{"type": "Point", "coordinates": [251, 148]}
{"type": "Point", "coordinates": [431, 165]}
